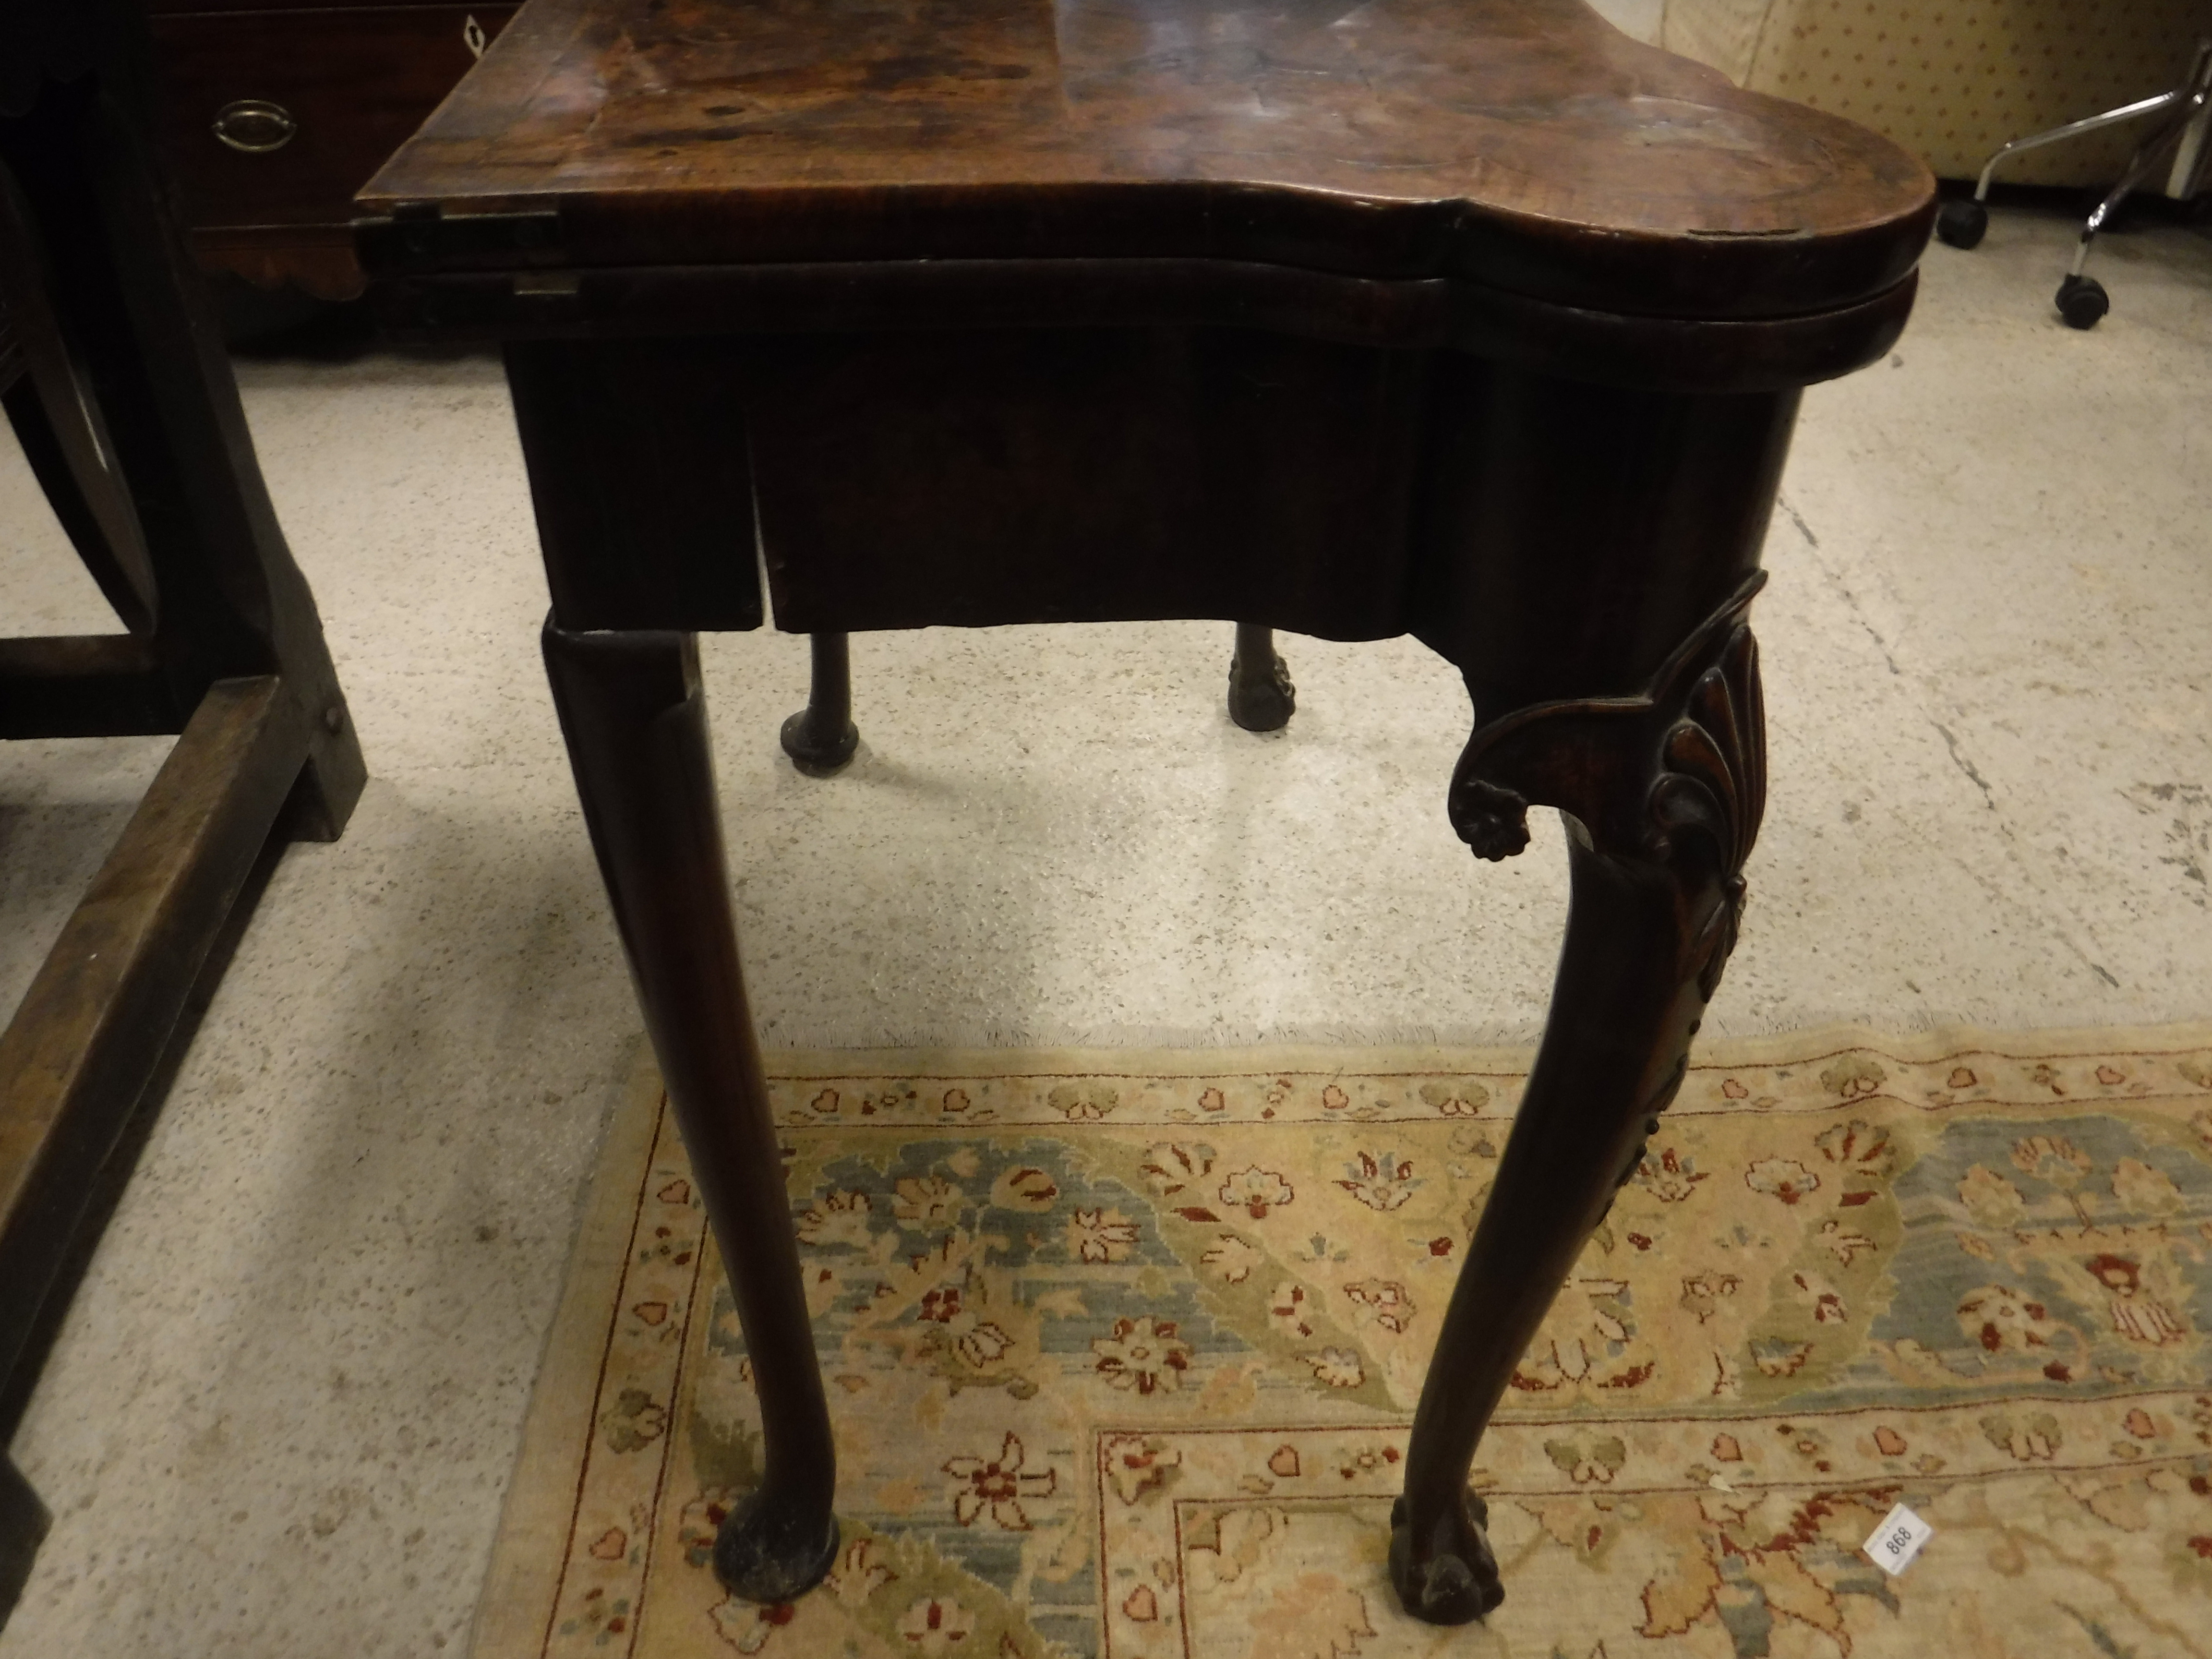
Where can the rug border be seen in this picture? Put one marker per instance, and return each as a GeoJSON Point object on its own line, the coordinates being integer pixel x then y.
{"type": "Point", "coordinates": [535, 1520]}
{"type": "Point", "coordinates": [1711, 1053]}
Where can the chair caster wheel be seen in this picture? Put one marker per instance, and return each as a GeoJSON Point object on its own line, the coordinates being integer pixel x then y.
{"type": "Point", "coordinates": [1962, 223]}
{"type": "Point", "coordinates": [2082, 300]}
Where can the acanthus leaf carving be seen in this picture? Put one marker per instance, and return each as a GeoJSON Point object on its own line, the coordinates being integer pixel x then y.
{"type": "Point", "coordinates": [1675, 773]}
{"type": "Point", "coordinates": [1714, 784]}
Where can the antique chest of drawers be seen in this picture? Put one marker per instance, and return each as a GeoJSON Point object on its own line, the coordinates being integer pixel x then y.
{"type": "Point", "coordinates": [274, 113]}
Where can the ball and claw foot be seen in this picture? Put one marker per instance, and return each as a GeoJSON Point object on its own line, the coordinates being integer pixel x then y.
{"type": "Point", "coordinates": [1452, 1578]}
{"type": "Point", "coordinates": [1261, 701]}
{"type": "Point", "coordinates": [811, 751]}
{"type": "Point", "coordinates": [762, 1554]}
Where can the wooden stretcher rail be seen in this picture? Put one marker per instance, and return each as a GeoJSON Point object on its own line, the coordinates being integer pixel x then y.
{"type": "Point", "coordinates": [93, 1025]}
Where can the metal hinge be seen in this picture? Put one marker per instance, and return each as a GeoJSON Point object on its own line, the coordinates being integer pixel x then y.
{"type": "Point", "coordinates": [421, 236]}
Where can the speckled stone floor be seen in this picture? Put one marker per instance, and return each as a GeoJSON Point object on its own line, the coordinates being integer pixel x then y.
{"type": "Point", "coordinates": [282, 1414]}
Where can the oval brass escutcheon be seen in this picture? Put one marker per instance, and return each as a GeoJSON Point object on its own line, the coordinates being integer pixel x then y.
{"type": "Point", "coordinates": [254, 125]}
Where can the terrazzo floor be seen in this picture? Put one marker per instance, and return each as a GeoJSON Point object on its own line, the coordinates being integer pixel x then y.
{"type": "Point", "coordinates": [281, 1416]}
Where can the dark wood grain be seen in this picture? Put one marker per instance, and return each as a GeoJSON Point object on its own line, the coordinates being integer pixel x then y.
{"type": "Point", "coordinates": [1662, 791]}
{"type": "Point", "coordinates": [1082, 475]}
{"type": "Point", "coordinates": [1548, 538]}
{"type": "Point", "coordinates": [357, 80]}
{"type": "Point", "coordinates": [98, 1013]}
{"type": "Point", "coordinates": [916, 295]}
{"type": "Point", "coordinates": [636, 722]}
{"type": "Point", "coordinates": [131, 418]}
{"type": "Point", "coordinates": [1469, 320]}
{"type": "Point", "coordinates": [1523, 143]}
{"type": "Point", "coordinates": [641, 483]}
{"type": "Point", "coordinates": [84, 685]}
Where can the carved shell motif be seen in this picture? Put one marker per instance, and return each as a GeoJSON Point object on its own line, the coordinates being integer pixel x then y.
{"type": "Point", "coordinates": [1697, 736]}
{"type": "Point", "coordinates": [1712, 778]}
{"type": "Point", "coordinates": [1712, 784]}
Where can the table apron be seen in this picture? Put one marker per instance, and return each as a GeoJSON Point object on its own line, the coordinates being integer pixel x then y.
{"type": "Point", "coordinates": [1551, 537]}
{"type": "Point", "coordinates": [1605, 347]}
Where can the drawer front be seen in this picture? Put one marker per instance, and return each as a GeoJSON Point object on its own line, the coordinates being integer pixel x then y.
{"type": "Point", "coordinates": [276, 117]}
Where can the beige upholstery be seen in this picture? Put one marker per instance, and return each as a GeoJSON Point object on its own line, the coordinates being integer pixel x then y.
{"type": "Point", "coordinates": [1954, 79]}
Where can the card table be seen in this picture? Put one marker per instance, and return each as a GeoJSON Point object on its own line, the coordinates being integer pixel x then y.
{"type": "Point", "coordinates": [1470, 319]}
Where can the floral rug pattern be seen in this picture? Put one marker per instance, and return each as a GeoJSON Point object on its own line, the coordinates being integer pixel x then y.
{"type": "Point", "coordinates": [1121, 1359]}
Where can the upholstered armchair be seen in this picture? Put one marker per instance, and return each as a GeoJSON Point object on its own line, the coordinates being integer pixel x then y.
{"type": "Point", "coordinates": [1951, 80]}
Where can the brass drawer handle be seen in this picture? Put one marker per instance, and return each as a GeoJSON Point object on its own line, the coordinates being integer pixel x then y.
{"type": "Point", "coordinates": [254, 126]}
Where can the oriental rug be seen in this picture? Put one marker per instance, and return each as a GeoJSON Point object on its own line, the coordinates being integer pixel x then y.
{"type": "Point", "coordinates": [1122, 1350]}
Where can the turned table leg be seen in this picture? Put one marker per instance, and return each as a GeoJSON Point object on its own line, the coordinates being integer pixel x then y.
{"type": "Point", "coordinates": [1260, 694]}
{"type": "Point", "coordinates": [635, 721]}
{"type": "Point", "coordinates": [1663, 793]}
{"type": "Point", "coordinates": [820, 739]}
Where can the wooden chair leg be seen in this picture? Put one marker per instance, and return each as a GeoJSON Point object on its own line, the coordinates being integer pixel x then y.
{"type": "Point", "coordinates": [636, 722]}
{"type": "Point", "coordinates": [821, 737]}
{"type": "Point", "coordinates": [104, 531]}
{"type": "Point", "coordinates": [1664, 793]}
{"type": "Point", "coordinates": [1260, 694]}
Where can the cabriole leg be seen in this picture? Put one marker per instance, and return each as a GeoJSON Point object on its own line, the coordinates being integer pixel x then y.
{"type": "Point", "coordinates": [1663, 795]}
{"type": "Point", "coordinates": [636, 722]}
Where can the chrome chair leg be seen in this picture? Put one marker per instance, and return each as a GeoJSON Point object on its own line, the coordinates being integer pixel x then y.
{"type": "Point", "coordinates": [2081, 299]}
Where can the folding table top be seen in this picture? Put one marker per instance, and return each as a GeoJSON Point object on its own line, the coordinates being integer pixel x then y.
{"type": "Point", "coordinates": [1522, 144]}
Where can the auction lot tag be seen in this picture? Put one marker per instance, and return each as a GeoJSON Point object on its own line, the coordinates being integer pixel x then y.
{"type": "Point", "coordinates": [1897, 1540]}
